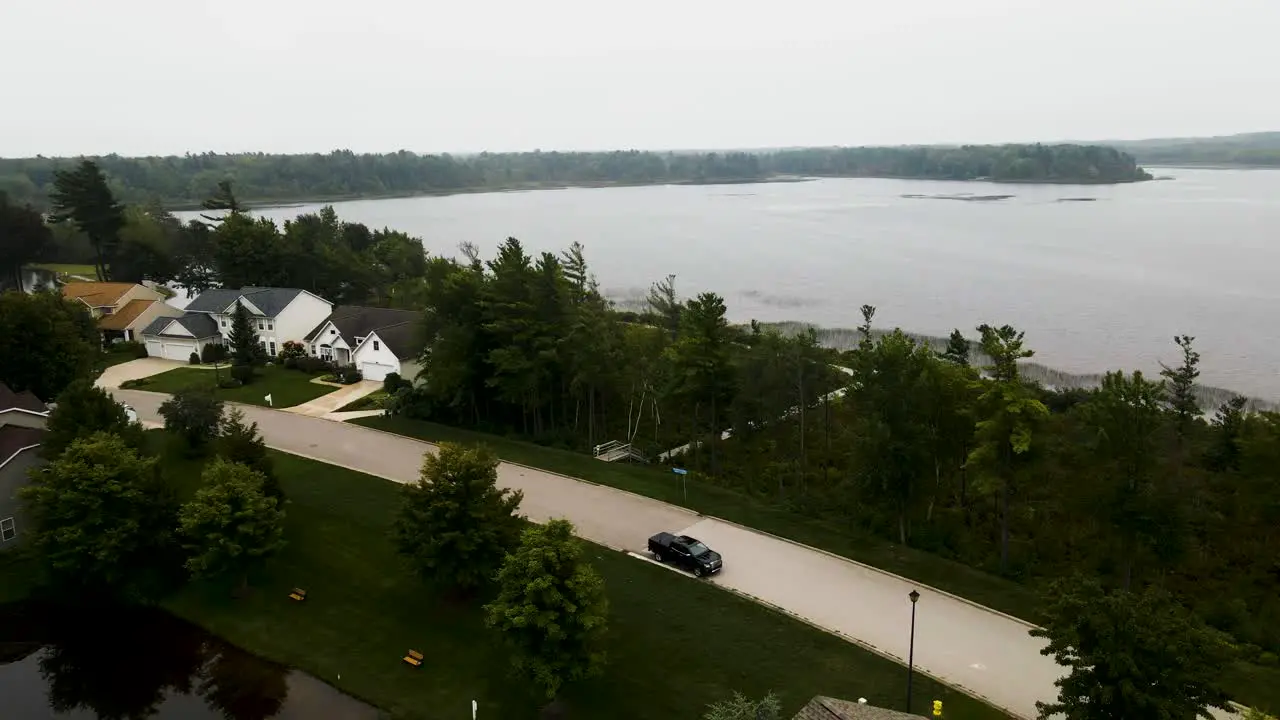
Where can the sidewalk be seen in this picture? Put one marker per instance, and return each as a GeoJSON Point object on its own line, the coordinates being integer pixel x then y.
{"type": "Point", "coordinates": [330, 404]}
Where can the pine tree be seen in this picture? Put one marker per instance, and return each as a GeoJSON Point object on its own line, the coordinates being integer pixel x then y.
{"type": "Point", "coordinates": [957, 350]}
{"type": "Point", "coordinates": [242, 338]}
{"type": "Point", "coordinates": [1182, 385]}
{"type": "Point", "coordinates": [83, 197]}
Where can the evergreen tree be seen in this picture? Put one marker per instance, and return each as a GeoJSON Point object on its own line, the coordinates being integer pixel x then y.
{"type": "Point", "coordinates": [243, 339]}
{"type": "Point", "coordinates": [551, 608]}
{"type": "Point", "coordinates": [455, 525]}
{"type": "Point", "coordinates": [82, 197]}
{"type": "Point", "coordinates": [957, 350]}
{"type": "Point", "coordinates": [240, 442]}
{"type": "Point", "coordinates": [1182, 385]}
{"type": "Point", "coordinates": [224, 198]}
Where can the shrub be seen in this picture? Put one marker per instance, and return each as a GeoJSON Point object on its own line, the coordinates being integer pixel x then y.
{"type": "Point", "coordinates": [193, 359]}
{"type": "Point", "coordinates": [243, 373]}
{"type": "Point", "coordinates": [213, 353]}
{"type": "Point", "coordinates": [292, 349]}
{"type": "Point", "coordinates": [228, 384]}
{"type": "Point", "coordinates": [393, 382]}
{"type": "Point", "coordinates": [132, 347]}
{"type": "Point", "coordinates": [348, 375]}
{"type": "Point", "coordinates": [312, 364]}
{"type": "Point", "coordinates": [135, 383]}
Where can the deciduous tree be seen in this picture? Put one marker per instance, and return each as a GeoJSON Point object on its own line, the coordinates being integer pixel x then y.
{"type": "Point", "coordinates": [231, 526]}
{"type": "Point", "coordinates": [46, 343]}
{"type": "Point", "coordinates": [1130, 655]}
{"type": "Point", "coordinates": [194, 415]}
{"type": "Point", "coordinates": [551, 609]}
{"type": "Point", "coordinates": [23, 239]}
{"type": "Point", "coordinates": [455, 525]}
{"type": "Point", "coordinates": [82, 410]}
{"type": "Point", "coordinates": [102, 518]}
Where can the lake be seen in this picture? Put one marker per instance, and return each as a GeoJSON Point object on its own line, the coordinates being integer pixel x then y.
{"type": "Point", "coordinates": [1096, 285]}
{"type": "Point", "coordinates": [139, 663]}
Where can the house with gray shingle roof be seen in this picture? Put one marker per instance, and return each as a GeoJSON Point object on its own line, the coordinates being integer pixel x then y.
{"type": "Point", "coordinates": [825, 708]}
{"type": "Point", "coordinates": [278, 315]}
{"type": "Point", "coordinates": [22, 422]}
{"type": "Point", "coordinates": [378, 341]}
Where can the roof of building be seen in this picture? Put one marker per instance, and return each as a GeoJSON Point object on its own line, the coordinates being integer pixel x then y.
{"type": "Point", "coordinates": [198, 324]}
{"type": "Point", "coordinates": [25, 400]}
{"type": "Point", "coordinates": [96, 294]}
{"type": "Point", "coordinates": [825, 708]}
{"type": "Point", "coordinates": [120, 319]}
{"type": "Point", "coordinates": [269, 300]}
{"type": "Point", "coordinates": [398, 329]}
{"type": "Point", "coordinates": [14, 438]}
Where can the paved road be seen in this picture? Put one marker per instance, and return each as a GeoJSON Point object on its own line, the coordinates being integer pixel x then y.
{"type": "Point", "coordinates": [964, 645]}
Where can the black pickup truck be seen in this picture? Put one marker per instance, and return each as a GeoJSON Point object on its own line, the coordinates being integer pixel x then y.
{"type": "Point", "coordinates": [685, 552]}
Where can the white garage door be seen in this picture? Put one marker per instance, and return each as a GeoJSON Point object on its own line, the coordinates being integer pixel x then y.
{"type": "Point", "coordinates": [154, 349]}
{"type": "Point", "coordinates": [375, 371]}
{"type": "Point", "coordinates": [179, 350]}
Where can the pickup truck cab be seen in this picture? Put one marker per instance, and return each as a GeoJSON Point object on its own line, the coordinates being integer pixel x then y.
{"type": "Point", "coordinates": [685, 552]}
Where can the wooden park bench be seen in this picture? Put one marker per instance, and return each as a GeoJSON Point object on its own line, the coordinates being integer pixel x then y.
{"type": "Point", "coordinates": [414, 658]}
{"type": "Point", "coordinates": [298, 594]}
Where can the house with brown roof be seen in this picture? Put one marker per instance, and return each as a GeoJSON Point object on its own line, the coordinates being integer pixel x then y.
{"type": "Point", "coordinates": [22, 421]}
{"type": "Point", "coordinates": [122, 310]}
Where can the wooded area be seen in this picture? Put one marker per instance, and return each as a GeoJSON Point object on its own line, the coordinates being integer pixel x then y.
{"type": "Point", "coordinates": [186, 181]}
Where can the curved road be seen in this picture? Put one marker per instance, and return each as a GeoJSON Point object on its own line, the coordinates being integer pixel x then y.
{"type": "Point", "coordinates": [962, 644]}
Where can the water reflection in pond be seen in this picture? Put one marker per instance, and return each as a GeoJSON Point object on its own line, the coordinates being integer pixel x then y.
{"type": "Point", "coordinates": [136, 663]}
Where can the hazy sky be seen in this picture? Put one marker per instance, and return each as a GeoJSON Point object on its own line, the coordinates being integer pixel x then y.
{"type": "Point", "coordinates": [172, 76]}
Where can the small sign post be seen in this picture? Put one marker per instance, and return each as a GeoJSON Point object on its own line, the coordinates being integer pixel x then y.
{"type": "Point", "coordinates": [269, 402]}
{"type": "Point", "coordinates": [684, 481]}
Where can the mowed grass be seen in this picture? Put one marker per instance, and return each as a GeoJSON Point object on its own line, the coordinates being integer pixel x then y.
{"type": "Point", "coordinates": [675, 644]}
{"type": "Point", "coordinates": [1248, 683]}
{"type": "Point", "coordinates": [68, 269]}
{"type": "Point", "coordinates": [660, 483]}
{"type": "Point", "coordinates": [286, 387]}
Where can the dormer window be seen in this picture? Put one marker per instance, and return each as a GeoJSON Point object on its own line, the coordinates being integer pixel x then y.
{"type": "Point", "coordinates": [107, 310]}
{"type": "Point", "coordinates": [360, 339]}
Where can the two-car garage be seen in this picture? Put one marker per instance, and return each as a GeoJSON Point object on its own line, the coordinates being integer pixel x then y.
{"type": "Point", "coordinates": [171, 348]}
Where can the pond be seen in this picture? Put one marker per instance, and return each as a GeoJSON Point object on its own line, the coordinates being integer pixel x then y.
{"type": "Point", "coordinates": [130, 664]}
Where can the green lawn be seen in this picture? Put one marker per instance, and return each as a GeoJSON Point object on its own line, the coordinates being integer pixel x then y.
{"type": "Point", "coordinates": [675, 644]}
{"type": "Point", "coordinates": [660, 483]}
{"type": "Point", "coordinates": [286, 387]}
{"type": "Point", "coordinates": [1250, 684]}
{"type": "Point", "coordinates": [68, 269]}
{"type": "Point", "coordinates": [373, 401]}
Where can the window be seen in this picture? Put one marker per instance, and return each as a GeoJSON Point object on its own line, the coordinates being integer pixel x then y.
{"type": "Point", "coordinates": [273, 349]}
{"type": "Point", "coordinates": [271, 325]}
{"type": "Point", "coordinates": [8, 529]}
{"type": "Point", "coordinates": [326, 352]}
{"type": "Point", "coordinates": [223, 321]}
{"type": "Point", "coordinates": [261, 325]}
{"type": "Point", "coordinates": [375, 344]}
{"type": "Point", "coordinates": [332, 331]}
{"type": "Point", "coordinates": [360, 339]}
{"type": "Point", "coordinates": [262, 343]}
{"type": "Point", "coordinates": [107, 310]}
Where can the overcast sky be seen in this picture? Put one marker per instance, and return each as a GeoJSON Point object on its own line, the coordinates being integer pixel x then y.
{"type": "Point", "coordinates": [172, 76]}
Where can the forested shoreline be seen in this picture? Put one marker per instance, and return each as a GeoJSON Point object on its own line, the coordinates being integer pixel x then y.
{"type": "Point", "coordinates": [260, 178]}
{"type": "Point", "coordinates": [1261, 150]}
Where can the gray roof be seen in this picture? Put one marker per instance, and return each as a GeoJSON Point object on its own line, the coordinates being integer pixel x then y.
{"type": "Point", "coordinates": [398, 329]}
{"type": "Point", "coordinates": [25, 400]}
{"type": "Point", "coordinates": [825, 708]}
{"type": "Point", "coordinates": [269, 300]}
{"type": "Point", "coordinates": [198, 324]}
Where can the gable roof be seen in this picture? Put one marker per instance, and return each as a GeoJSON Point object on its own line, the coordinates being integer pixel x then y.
{"type": "Point", "coordinates": [96, 294]}
{"type": "Point", "coordinates": [198, 324]}
{"type": "Point", "coordinates": [397, 328]}
{"type": "Point", "coordinates": [16, 439]}
{"type": "Point", "coordinates": [825, 708]}
{"type": "Point", "coordinates": [25, 400]}
{"type": "Point", "coordinates": [269, 300]}
{"type": "Point", "coordinates": [120, 319]}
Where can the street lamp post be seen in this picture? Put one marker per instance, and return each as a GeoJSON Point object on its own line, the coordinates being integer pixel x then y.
{"type": "Point", "coordinates": [911, 648]}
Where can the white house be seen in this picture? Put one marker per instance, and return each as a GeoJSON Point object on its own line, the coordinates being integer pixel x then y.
{"type": "Point", "coordinates": [277, 315]}
{"type": "Point", "coordinates": [378, 341]}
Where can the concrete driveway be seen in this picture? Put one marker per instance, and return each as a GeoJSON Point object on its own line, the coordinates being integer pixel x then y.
{"type": "Point", "coordinates": [341, 395]}
{"type": "Point", "coordinates": [116, 375]}
{"type": "Point", "coordinates": [964, 645]}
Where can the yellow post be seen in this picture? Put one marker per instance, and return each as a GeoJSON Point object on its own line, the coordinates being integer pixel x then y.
{"type": "Point", "coordinates": [937, 708]}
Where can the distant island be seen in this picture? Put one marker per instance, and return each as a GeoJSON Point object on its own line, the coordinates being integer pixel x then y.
{"type": "Point", "coordinates": [272, 179]}
{"type": "Point", "coordinates": [1260, 149]}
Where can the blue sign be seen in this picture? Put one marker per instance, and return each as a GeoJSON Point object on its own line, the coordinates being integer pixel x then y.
{"type": "Point", "coordinates": [680, 471]}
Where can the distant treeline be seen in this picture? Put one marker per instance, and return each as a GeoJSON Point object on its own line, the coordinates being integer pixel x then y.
{"type": "Point", "coordinates": [258, 177]}
{"type": "Point", "coordinates": [1249, 149]}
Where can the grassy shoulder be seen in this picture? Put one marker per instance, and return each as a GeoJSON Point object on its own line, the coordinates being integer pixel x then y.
{"type": "Point", "coordinates": [82, 270]}
{"type": "Point", "coordinates": [286, 387]}
{"type": "Point", "coordinates": [1250, 684]}
{"type": "Point", "coordinates": [364, 611]}
{"type": "Point", "coordinates": [659, 483]}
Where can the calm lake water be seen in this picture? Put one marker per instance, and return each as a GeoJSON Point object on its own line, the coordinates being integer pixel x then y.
{"type": "Point", "coordinates": [1096, 285]}
{"type": "Point", "coordinates": [134, 664]}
